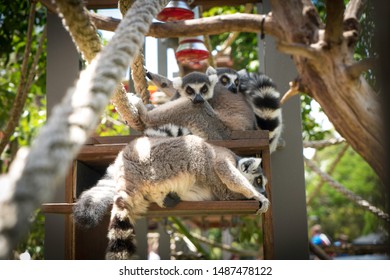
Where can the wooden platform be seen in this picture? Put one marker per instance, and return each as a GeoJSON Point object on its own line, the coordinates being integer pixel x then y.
{"type": "Point", "coordinates": [99, 152]}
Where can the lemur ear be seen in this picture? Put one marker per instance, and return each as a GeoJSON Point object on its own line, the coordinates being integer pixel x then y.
{"type": "Point", "coordinates": [257, 162]}
{"type": "Point", "coordinates": [211, 71]}
{"type": "Point", "coordinates": [242, 72]}
{"type": "Point", "coordinates": [213, 80]}
{"type": "Point", "coordinates": [177, 83]}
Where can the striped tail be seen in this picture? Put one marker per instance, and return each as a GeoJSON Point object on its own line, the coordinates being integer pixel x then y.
{"type": "Point", "coordinates": [167, 130]}
{"type": "Point", "coordinates": [121, 235]}
{"type": "Point", "coordinates": [261, 93]}
{"type": "Point", "coordinates": [94, 203]}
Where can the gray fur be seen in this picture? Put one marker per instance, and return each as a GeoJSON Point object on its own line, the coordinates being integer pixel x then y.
{"type": "Point", "coordinates": [148, 169]}
{"type": "Point", "coordinates": [93, 204]}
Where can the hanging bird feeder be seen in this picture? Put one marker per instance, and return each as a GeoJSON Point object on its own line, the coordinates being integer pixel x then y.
{"type": "Point", "coordinates": [176, 10]}
{"type": "Point", "coordinates": [191, 50]}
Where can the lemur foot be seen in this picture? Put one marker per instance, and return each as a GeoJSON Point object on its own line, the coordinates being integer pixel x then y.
{"type": "Point", "coordinates": [171, 200]}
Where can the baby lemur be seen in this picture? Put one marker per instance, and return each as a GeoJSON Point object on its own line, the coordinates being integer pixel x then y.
{"type": "Point", "coordinates": [147, 169]}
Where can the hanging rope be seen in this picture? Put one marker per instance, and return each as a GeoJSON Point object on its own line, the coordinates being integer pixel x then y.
{"type": "Point", "coordinates": [347, 193]}
{"type": "Point", "coordinates": [75, 18]}
{"type": "Point", "coordinates": [34, 175]}
{"type": "Point", "coordinates": [138, 73]}
{"type": "Point", "coordinates": [331, 169]}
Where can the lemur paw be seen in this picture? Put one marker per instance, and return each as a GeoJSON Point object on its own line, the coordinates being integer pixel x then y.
{"type": "Point", "coordinates": [264, 203]}
{"type": "Point", "coordinates": [133, 99]}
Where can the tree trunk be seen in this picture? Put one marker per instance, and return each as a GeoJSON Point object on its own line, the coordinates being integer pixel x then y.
{"type": "Point", "coordinates": [324, 60]}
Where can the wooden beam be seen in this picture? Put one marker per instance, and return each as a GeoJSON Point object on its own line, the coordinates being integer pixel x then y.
{"type": "Point", "coordinates": [184, 208]}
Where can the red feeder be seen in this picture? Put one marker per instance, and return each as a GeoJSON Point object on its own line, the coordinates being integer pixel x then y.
{"type": "Point", "coordinates": [191, 49]}
{"type": "Point", "coordinates": [176, 10]}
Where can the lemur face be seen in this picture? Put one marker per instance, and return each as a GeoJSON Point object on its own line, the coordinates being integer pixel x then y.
{"type": "Point", "coordinates": [196, 86]}
{"type": "Point", "coordinates": [251, 169]}
{"type": "Point", "coordinates": [230, 81]}
{"type": "Point", "coordinates": [228, 77]}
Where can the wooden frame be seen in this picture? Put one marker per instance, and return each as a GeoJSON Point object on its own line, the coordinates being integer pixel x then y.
{"type": "Point", "coordinates": [99, 152]}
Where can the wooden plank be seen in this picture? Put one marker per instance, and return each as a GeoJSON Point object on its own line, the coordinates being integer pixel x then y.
{"type": "Point", "coordinates": [267, 222]}
{"type": "Point", "coordinates": [101, 155]}
{"type": "Point", "coordinates": [124, 139]}
{"type": "Point", "coordinates": [185, 208]}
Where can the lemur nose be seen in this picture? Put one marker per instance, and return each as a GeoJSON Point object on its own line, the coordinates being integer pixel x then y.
{"type": "Point", "coordinates": [232, 88]}
{"type": "Point", "coordinates": [198, 99]}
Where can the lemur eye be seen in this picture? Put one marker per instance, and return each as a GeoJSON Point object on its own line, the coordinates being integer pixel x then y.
{"type": "Point", "coordinates": [224, 80]}
{"type": "Point", "coordinates": [258, 180]}
{"type": "Point", "coordinates": [204, 89]}
{"type": "Point", "coordinates": [190, 91]}
{"type": "Point", "coordinates": [236, 81]}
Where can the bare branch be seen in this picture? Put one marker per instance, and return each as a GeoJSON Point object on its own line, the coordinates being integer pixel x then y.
{"type": "Point", "coordinates": [202, 26]}
{"type": "Point", "coordinates": [33, 68]}
{"type": "Point", "coordinates": [21, 92]}
{"type": "Point", "coordinates": [323, 143]}
{"type": "Point", "coordinates": [353, 9]}
{"type": "Point", "coordinates": [355, 70]}
{"type": "Point", "coordinates": [298, 49]}
{"type": "Point", "coordinates": [294, 90]}
{"type": "Point", "coordinates": [334, 21]}
{"type": "Point", "coordinates": [347, 193]}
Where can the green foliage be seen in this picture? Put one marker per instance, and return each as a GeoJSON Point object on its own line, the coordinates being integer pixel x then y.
{"type": "Point", "coordinates": [35, 239]}
{"type": "Point", "coordinates": [13, 33]}
{"type": "Point", "coordinates": [334, 211]}
{"type": "Point", "coordinates": [110, 124]}
{"type": "Point", "coordinates": [244, 48]}
{"type": "Point", "coordinates": [311, 128]}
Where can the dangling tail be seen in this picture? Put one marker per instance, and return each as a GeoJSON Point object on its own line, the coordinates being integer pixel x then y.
{"type": "Point", "coordinates": [121, 236]}
{"type": "Point", "coordinates": [261, 93]}
{"type": "Point", "coordinates": [94, 203]}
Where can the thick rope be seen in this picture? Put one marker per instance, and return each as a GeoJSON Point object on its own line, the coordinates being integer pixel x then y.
{"type": "Point", "coordinates": [138, 73]}
{"type": "Point", "coordinates": [75, 18]}
{"type": "Point", "coordinates": [77, 21]}
{"type": "Point", "coordinates": [347, 193]}
{"type": "Point", "coordinates": [34, 175]}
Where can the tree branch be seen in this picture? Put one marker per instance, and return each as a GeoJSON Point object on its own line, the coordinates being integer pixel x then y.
{"type": "Point", "coordinates": [356, 69]}
{"type": "Point", "coordinates": [352, 14]}
{"type": "Point", "coordinates": [323, 143]}
{"type": "Point", "coordinates": [298, 49]}
{"type": "Point", "coordinates": [334, 21]}
{"type": "Point", "coordinates": [21, 92]}
{"type": "Point", "coordinates": [202, 26]}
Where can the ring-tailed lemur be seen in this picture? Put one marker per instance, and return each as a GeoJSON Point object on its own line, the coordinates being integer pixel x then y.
{"type": "Point", "coordinates": [230, 111]}
{"type": "Point", "coordinates": [228, 78]}
{"type": "Point", "coordinates": [148, 169]}
{"type": "Point", "coordinates": [261, 93]}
